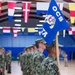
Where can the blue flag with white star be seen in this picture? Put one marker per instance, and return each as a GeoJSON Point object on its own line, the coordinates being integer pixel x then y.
{"type": "Point", "coordinates": [54, 22]}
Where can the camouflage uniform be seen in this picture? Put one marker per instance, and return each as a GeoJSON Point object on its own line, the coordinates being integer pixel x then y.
{"type": "Point", "coordinates": [34, 54]}
{"type": "Point", "coordinates": [21, 60]}
{"type": "Point", "coordinates": [29, 57]}
{"type": "Point", "coordinates": [19, 57]}
{"type": "Point", "coordinates": [2, 61]}
{"type": "Point", "coordinates": [49, 66]}
{"type": "Point", "coordinates": [38, 58]}
{"type": "Point", "coordinates": [31, 63]}
{"type": "Point", "coordinates": [24, 63]}
{"type": "Point", "coordinates": [8, 62]}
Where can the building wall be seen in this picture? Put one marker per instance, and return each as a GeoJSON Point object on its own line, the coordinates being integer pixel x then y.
{"type": "Point", "coordinates": [22, 40]}
{"type": "Point", "coordinates": [17, 45]}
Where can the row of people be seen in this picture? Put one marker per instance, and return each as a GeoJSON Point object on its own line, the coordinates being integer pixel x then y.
{"type": "Point", "coordinates": [5, 61]}
{"type": "Point", "coordinates": [39, 59]}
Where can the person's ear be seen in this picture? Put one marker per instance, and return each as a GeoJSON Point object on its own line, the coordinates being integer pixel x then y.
{"type": "Point", "coordinates": [53, 48]}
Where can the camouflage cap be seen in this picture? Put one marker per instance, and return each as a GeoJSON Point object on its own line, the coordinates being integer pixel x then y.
{"type": "Point", "coordinates": [9, 52]}
{"type": "Point", "coordinates": [54, 44]}
{"type": "Point", "coordinates": [31, 46]}
{"type": "Point", "coordinates": [2, 48]}
{"type": "Point", "coordinates": [34, 45]}
{"type": "Point", "coordinates": [26, 48]}
{"type": "Point", "coordinates": [39, 41]}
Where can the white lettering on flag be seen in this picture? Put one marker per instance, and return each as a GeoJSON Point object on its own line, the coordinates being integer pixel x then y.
{"type": "Point", "coordinates": [58, 14]}
{"type": "Point", "coordinates": [43, 32]}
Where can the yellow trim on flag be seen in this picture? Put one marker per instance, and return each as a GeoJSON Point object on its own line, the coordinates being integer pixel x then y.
{"type": "Point", "coordinates": [23, 29]}
{"type": "Point", "coordinates": [72, 6]}
{"type": "Point", "coordinates": [31, 29]}
{"type": "Point", "coordinates": [72, 19]}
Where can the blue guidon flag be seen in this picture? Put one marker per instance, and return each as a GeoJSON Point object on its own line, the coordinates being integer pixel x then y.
{"type": "Point", "coordinates": [54, 22]}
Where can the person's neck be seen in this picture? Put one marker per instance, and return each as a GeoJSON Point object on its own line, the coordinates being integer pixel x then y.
{"type": "Point", "coordinates": [40, 49]}
{"type": "Point", "coordinates": [53, 55]}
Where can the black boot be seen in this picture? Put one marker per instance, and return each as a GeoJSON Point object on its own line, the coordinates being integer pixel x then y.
{"type": "Point", "coordinates": [9, 69]}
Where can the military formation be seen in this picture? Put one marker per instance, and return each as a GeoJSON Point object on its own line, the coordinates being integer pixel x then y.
{"type": "Point", "coordinates": [39, 59]}
{"type": "Point", "coordinates": [5, 61]}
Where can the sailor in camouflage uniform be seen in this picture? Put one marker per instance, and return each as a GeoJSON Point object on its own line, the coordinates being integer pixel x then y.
{"type": "Point", "coordinates": [18, 57]}
{"type": "Point", "coordinates": [29, 61]}
{"type": "Point", "coordinates": [49, 65]}
{"type": "Point", "coordinates": [8, 61]}
{"type": "Point", "coordinates": [21, 60]}
{"type": "Point", "coordinates": [2, 61]}
{"type": "Point", "coordinates": [34, 52]}
{"type": "Point", "coordinates": [38, 57]}
{"type": "Point", "coordinates": [34, 48]}
{"type": "Point", "coordinates": [24, 61]}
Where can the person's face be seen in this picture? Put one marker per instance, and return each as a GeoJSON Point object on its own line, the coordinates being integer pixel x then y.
{"type": "Point", "coordinates": [42, 45]}
{"type": "Point", "coordinates": [9, 52]}
{"type": "Point", "coordinates": [2, 50]}
{"type": "Point", "coordinates": [28, 50]}
{"type": "Point", "coordinates": [32, 49]}
{"type": "Point", "coordinates": [55, 52]}
{"type": "Point", "coordinates": [35, 48]}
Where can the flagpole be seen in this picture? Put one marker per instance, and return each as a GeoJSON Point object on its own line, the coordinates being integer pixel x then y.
{"type": "Point", "coordinates": [57, 51]}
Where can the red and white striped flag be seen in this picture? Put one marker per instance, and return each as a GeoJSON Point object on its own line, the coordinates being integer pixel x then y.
{"type": "Point", "coordinates": [71, 31]}
{"type": "Point", "coordinates": [0, 7]}
{"type": "Point", "coordinates": [26, 10]}
{"type": "Point", "coordinates": [15, 31]}
{"type": "Point", "coordinates": [6, 29]}
{"type": "Point", "coordinates": [11, 10]}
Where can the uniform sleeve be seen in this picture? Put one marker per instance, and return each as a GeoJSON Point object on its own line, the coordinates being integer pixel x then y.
{"type": "Point", "coordinates": [37, 64]}
{"type": "Point", "coordinates": [49, 68]}
{"type": "Point", "coordinates": [54, 69]}
{"type": "Point", "coordinates": [9, 58]}
{"type": "Point", "coordinates": [44, 66]}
